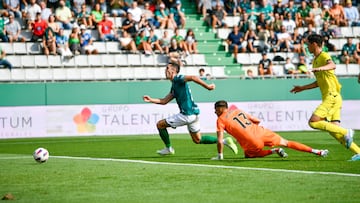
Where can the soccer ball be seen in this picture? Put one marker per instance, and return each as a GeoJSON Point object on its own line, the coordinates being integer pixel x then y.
{"type": "Point", "coordinates": [41, 155]}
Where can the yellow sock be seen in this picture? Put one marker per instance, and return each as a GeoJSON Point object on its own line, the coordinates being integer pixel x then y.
{"type": "Point", "coordinates": [329, 127]}
{"type": "Point", "coordinates": [354, 148]}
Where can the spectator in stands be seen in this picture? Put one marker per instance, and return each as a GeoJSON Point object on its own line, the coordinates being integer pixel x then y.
{"type": "Point", "coordinates": [86, 41]}
{"type": "Point", "coordinates": [3, 10]}
{"type": "Point", "coordinates": [162, 16]}
{"type": "Point", "coordinates": [327, 34]}
{"type": "Point", "coordinates": [231, 7]}
{"type": "Point", "coordinates": [96, 15]}
{"type": "Point", "coordinates": [191, 42]}
{"type": "Point", "coordinates": [154, 41]}
{"type": "Point", "coordinates": [205, 7]}
{"type": "Point", "coordinates": [52, 4]}
{"type": "Point", "coordinates": [249, 74]}
{"type": "Point", "coordinates": [75, 41]}
{"type": "Point", "coordinates": [149, 15]}
{"type": "Point", "coordinates": [279, 9]}
{"type": "Point", "coordinates": [267, 9]}
{"type": "Point", "coordinates": [316, 14]}
{"type": "Point", "coordinates": [337, 14]}
{"type": "Point", "coordinates": [250, 37]}
{"type": "Point", "coordinates": [263, 38]}
{"type": "Point", "coordinates": [53, 24]}
{"type": "Point", "coordinates": [179, 15]}
{"type": "Point", "coordinates": [349, 53]}
{"type": "Point", "coordinates": [310, 30]}
{"type": "Point", "coordinates": [106, 29]}
{"type": "Point", "coordinates": [165, 41]}
{"type": "Point", "coordinates": [276, 24]}
{"type": "Point", "coordinates": [45, 12]}
{"type": "Point", "coordinates": [265, 65]}
{"type": "Point", "coordinates": [292, 9]}
{"type": "Point", "coordinates": [49, 42]}
{"type": "Point", "coordinates": [180, 41]}
{"type": "Point", "coordinates": [176, 54]}
{"type": "Point", "coordinates": [297, 40]}
{"type": "Point", "coordinates": [326, 13]}
{"type": "Point", "coordinates": [135, 11]}
{"type": "Point", "coordinates": [84, 17]}
{"type": "Point", "coordinates": [13, 30]}
{"type": "Point", "coordinates": [252, 12]}
{"type": "Point", "coordinates": [117, 8]}
{"type": "Point", "coordinates": [62, 45]}
{"type": "Point", "coordinates": [202, 74]}
{"type": "Point", "coordinates": [63, 15]}
{"type": "Point", "coordinates": [3, 60]}
{"type": "Point", "coordinates": [303, 15]}
{"type": "Point", "coordinates": [30, 12]}
{"type": "Point", "coordinates": [244, 23]}
{"type": "Point", "coordinates": [284, 40]}
{"type": "Point", "coordinates": [218, 16]}
{"type": "Point", "coordinates": [13, 7]}
{"type": "Point", "coordinates": [142, 43]}
{"type": "Point", "coordinates": [76, 6]}
{"type": "Point", "coordinates": [236, 42]}
{"type": "Point", "coordinates": [351, 14]}
{"type": "Point", "coordinates": [289, 67]}
{"type": "Point", "coordinates": [261, 22]}
{"type": "Point", "coordinates": [38, 28]}
{"type": "Point", "coordinates": [302, 65]}
{"type": "Point", "coordinates": [289, 23]}
{"type": "Point", "coordinates": [273, 42]}
{"type": "Point", "coordinates": [129, 25]}
{"type": "Point", "coordinates": [3, 35]}
{"type": "Point", "coordinates": [127, 42]}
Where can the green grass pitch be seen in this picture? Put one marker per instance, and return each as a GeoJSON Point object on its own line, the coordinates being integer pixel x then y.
{"type": "Point", "coordinates": [127, 169]}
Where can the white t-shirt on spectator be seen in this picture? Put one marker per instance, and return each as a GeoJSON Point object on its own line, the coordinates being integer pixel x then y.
{"type": "Point", "coordinates": [136, 13]}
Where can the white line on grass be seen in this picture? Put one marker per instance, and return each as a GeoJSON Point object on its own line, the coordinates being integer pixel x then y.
{"type": "Point", "coordinates": [208, 166]}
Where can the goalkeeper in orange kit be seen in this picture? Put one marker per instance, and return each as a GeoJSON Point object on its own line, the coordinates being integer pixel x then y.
{"type": "Point", "coordinates": [251, 136]}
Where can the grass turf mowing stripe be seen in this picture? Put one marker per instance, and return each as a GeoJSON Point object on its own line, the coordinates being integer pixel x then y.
{"type": "Point", "coordinates": [208, 166]}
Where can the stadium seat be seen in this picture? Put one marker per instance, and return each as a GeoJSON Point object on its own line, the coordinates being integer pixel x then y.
{"type": "Point", "coordinates": [41, 61]}
{"type": "Point", "coordinates": [73, 73]}
{"type": "Point", "coordinates": [112, 73]}
{"type": "Point", "coordinates": [27, 61]}
{"type": "Point", "coordinates": [223, 33]}
{"type": "Point", "coordinates": [353, 69]}
{"type": "Point", "coordinates": [108, 60]}
{"type": "Point", "coordinates": [140, 73]}
{"type": "Point", "coordinates": [14, 60]}
{"type": "Point", "coordinates": [33, 48]}
{"type": "Point", "coordinates": [198, 59]}
{"type": "Point", "coordinates": [155, 73]}
{"type": "Point", "coordinates": [27, 34]}
{"type": "Point", "coordinates": [32, 74]}
{"type": "Point", "coordinates": [87, 73]}
{"type": "Point", "coordinates": [255, 58]}
{"type": "Point", "coordinates": [161, 59]}
{"type": "Point", "coordinates": [100, 73]}
{"type": "Point", "coordinates": [121, 60]}
{"type": "Point", "coordinates": [217, 72]}
{"type": "Point", "coordinates": [134, 59]}
{"type": "Point", "coordinates": [46, 74]}
{"type": "Point", "coordinates": [59, 74]}
{"type": "Point", "coordinates": [147, 60]}
{"type": "Point", "coordinates": [127, 73]}
{"type": "Point", "coordinates": [82, 61]}
{"type": "Point", "coordinates": [69, 62]}
{"type": "Point", "coordinates": [101, 47]}
{"type": "Point", "coordinates": [5, 75]}
{"type": "Point", "coordinates": [356, 31]}
{"type": "Point", "coordinates": [19, 48]}
{"type": "Point", "coordinates": [278, 70]}
{"type": "Point", "coordinates": [118, 22]}
{"type": "Point", "coordinates": [7, 47]}
{"type": "Point", "coordinates": [55, 61]}
{"type": "Point", "coordinates": [94, 60]}
{"type": "Point", "coordinates": [346, 31]}
{"type": "Point", "coordinates": [341, 69]}
{"type": "Point", "coordinates": [113, 47]}
{"type": "Point", "coordinates": [243, 58]}
{"type": "Point", "coordinates": [18, 74]}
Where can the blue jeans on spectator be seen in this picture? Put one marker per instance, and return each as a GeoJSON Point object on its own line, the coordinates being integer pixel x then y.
{"type": "Point", "coordinates": [6, 64]}
{"type": "Point", "coordinates": [109, 37]}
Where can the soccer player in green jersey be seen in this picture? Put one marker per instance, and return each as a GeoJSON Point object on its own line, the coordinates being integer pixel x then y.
{"type": "Point", "coordinates": [189, 111]}
{"type": "Point", "coordinates": [327, 115]}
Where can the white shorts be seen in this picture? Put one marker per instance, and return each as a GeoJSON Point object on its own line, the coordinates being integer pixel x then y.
{"type": "Point", "coordinates": [191, 121]}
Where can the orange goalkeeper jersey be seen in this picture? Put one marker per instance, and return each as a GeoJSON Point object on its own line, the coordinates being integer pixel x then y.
{"type": "Point", "coordinates": [245, 129]}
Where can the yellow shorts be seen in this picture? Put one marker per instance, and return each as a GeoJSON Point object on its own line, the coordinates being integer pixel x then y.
{"type": "Point", "coordinates": [330, 108]}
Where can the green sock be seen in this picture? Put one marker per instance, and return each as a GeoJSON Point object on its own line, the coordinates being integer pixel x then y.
{"type": "Point", "coordinates": [165, 137]}
{"type": "Point", "coordinates": [208, 139]}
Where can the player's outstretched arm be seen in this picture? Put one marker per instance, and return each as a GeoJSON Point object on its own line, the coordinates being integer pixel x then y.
{"type": "Point", "coordinates": [199, 81]}
{"type": "Point", "coordinates": [297, 89]}
{"type": "Point", "coordinates": [162, 101]}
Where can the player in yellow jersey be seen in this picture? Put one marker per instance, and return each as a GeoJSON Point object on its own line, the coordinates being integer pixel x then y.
{"type": "Point", "coordinates": [326, 116]}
